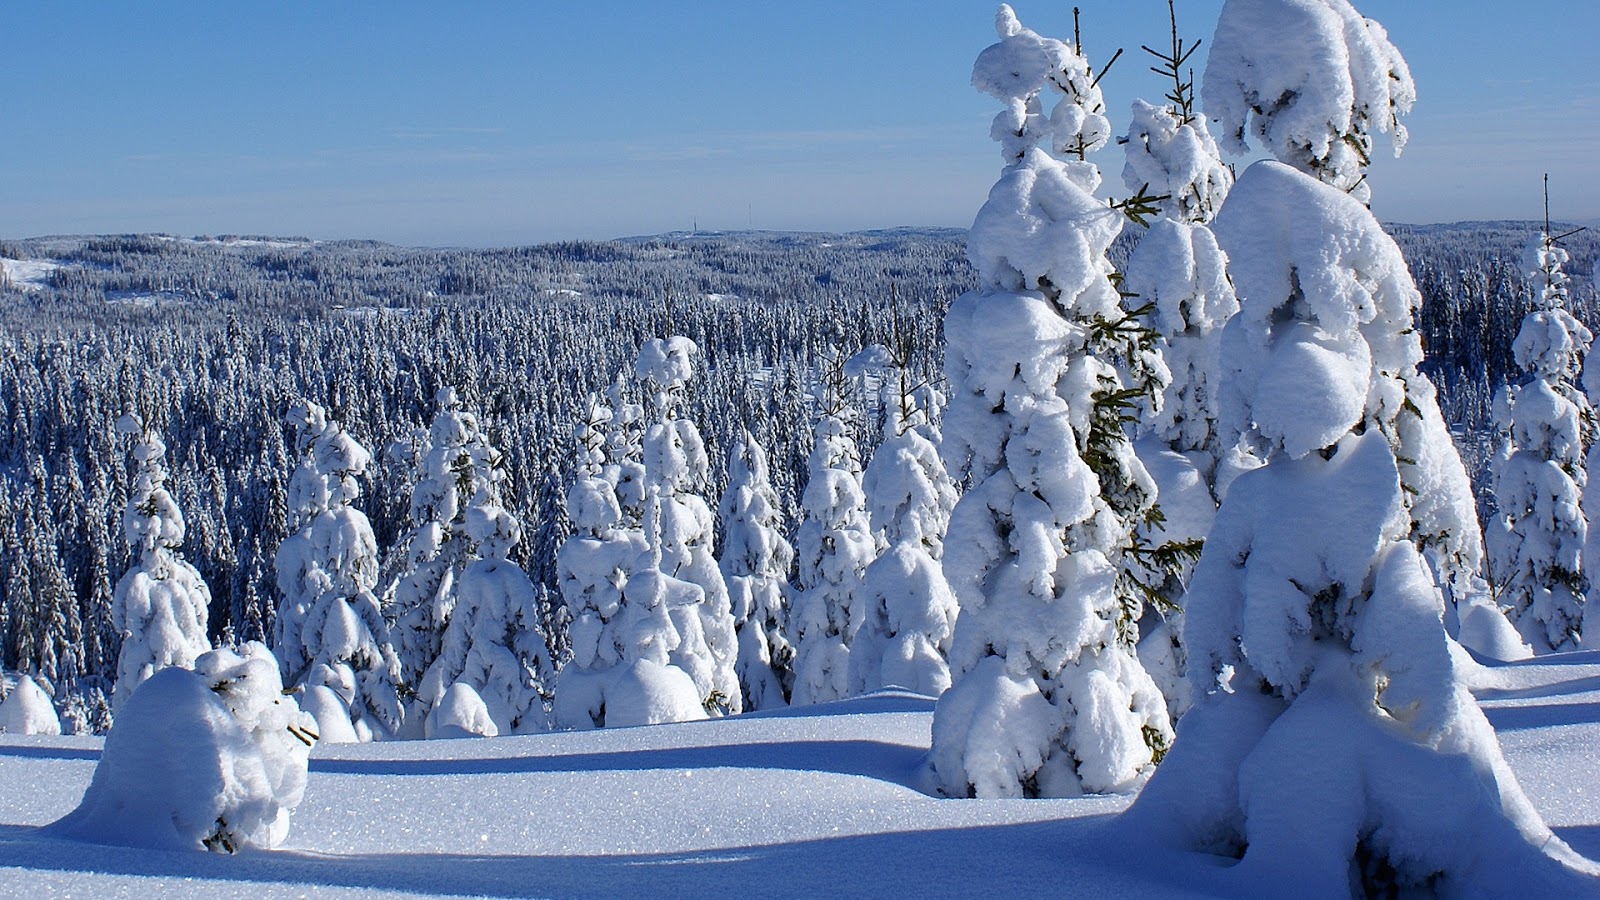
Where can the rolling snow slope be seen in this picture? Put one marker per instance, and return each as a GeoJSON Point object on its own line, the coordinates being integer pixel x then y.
{"type": "Point", "coordinates": [819, 801]}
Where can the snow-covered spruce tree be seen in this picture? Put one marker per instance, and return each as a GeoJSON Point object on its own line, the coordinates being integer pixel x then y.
{"type": "Point", "coordinates": [161, 605]}
{"type": "Point", "coordinates": [332, 640]}
{"type": "Point", "coordinates": [623, 634]}
{"type": "Point", "coordinates": [1536, 539]}
{"type": "Point", "coordinates": [494, 644]}
{"type": "Point", "coordinates": [908, 608]}
{"type": "Point", "coordinates": [1313, 95]}
{"type": "Point", "coordinates": [1178, 277]}
{"type": "Point", "coordinates": [624, 436]}
{"type": "Point", "coordinates": [756, 559]}
{"type": "Point", "coordinates": [834, 546]}
{"type": "Point", "coordinates": [593, 565]}
{"type": "Point", "coordinates": [1331, 746]}
{"type": "Point", "coordinates": [455, 466]}
{"type": "Point", "coordinates": [681, 527]}
{"type": "Point", "coordinates": [1048, 697]}
{"type": "Point", "coordinates": [1331, 740]}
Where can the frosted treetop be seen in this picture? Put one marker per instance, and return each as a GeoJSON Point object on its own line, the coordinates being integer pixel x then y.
{"type": "Point", "coordinates": [1312, 94]}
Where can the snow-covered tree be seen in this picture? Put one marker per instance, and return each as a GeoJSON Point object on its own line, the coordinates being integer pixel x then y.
{"type": "Point", "coordinates": [329, 631]}
{"type": "Point", "coordinates": [623, 634]}
{"type": "Point", "coordinates": [1049, 698]}
{"type": "Point", "coordinates": [455, 466]}
{"type": "Point", "coordinates": [909, 609]}
{"type": "Point", "coordinates": [680, 526]}
{"type": "Point", "coordinates": [1313, 96]}
{"type": "Point", "coordinates": [1178, 277]}
{"type": "Point", "coordinates": [755, 564]}
{"type": "Point", "coordinates": [494, 643]}
{"type": "Point", "coordinates": [1331, 736]}
{"type": "Point", "coordinates": [1176, 271]}
{"type": "Point", "coordinates": [161, 605]}
{"type": "Point", "coordinates": [1536, 540]}
{"type": "Point", "coordinates": [834, 546]}
{"type": "Point", "coordinates": [593, 565]}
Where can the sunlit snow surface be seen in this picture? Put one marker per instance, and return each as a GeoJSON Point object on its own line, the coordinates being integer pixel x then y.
{"type": "Point", "coordinates": [818, 802]}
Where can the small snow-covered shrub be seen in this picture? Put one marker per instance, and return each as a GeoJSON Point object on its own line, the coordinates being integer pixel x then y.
{"type": "Point", "coordinates": [460, 713]}
{"type": "Point", "coordinates": [27, 709]}
{"type": "Point", "coordinates": [213, 758]}
{"type": "Point", "coordinates": [648, 693]}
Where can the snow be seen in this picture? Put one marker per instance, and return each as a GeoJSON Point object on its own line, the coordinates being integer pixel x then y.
{"type": "Point", "coordinates": [820, 801]}
{"type": "Point", "coordinates": [27, 274]}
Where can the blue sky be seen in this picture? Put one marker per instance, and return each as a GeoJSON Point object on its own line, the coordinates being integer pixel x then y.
{"type": "Point", "coordinates": [474, 123]}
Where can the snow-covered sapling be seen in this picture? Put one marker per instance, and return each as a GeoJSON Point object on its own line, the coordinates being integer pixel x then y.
{"type": "Point", "coordinates": [161, 605]}
{"type": "Point", "coordinates": [1177, 277]}
{"type": "Point", "coordinates": [756, 559]}
{"type": "Point", "coordinates": [908, 608]}
{"type": "Point", "coordinates": [1536, 539]}
{"type": "Point", "coordinates": [457, 464]}
{"type": "Point", "coordinates": [330, 634]}
{"type": "Point", "coordinates": [833, 546]}
{"type": "Point", "coordinates": [494, 644]}
{"type": "Point", "coordinates": [681, 526]}
{"type": "Point", "coordinates": [27, 709]}
{"type": "Point", "coordinates": [592, 566]}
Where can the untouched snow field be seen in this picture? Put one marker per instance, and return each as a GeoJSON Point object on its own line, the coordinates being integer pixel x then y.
{"type": "Point", "coordinates": [29, 274]}
{"type": "Point", "coordinates": [820, 801]}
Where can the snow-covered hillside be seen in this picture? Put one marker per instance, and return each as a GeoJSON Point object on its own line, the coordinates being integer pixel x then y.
{"type": "Point", "coordinates": [824, 802]}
